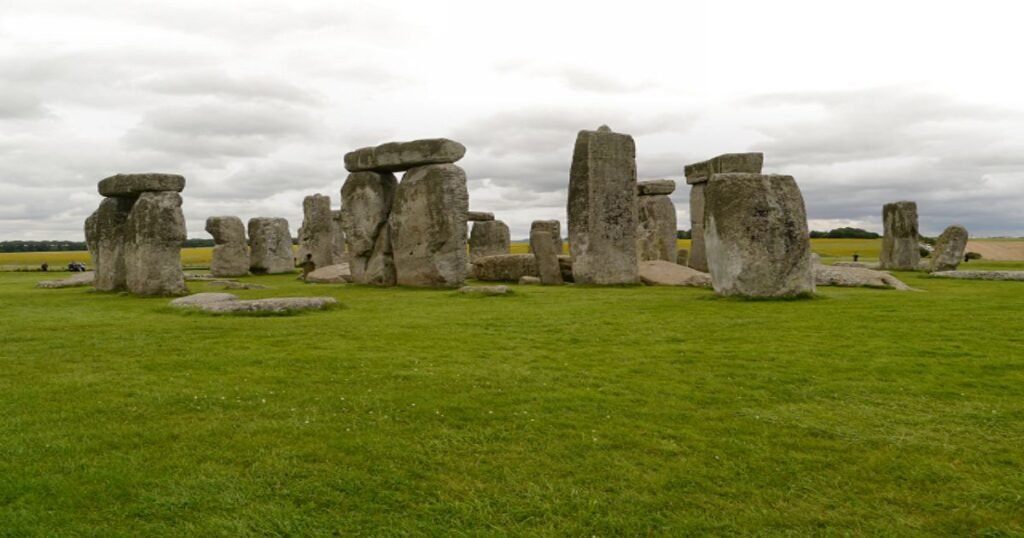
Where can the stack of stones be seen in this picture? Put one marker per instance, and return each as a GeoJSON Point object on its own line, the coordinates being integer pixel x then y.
{"type": "Point", "coordinates": [413, 233]}
{"type": "Point", "coordinates": [546, 250]}
{"type": "Point", "coordinates": [270, 246]}
{"type": "Point", "coordinates": [135, 235]}
{"type": "Point", "coordinates": [316, 236]}
{"type": "Point", "coordinates": [900, 248]}
{"type": "Point", "coordinates": [230, 251]}
{"type": "Point", "coordinates": [554, 230]}
{"type": "Point", "coordinates": [656, 221]}
{"type": "Point", "coordinates": [488, 237]}
{"type": "Point", "coordinates": [949, 249]}
{"type": "Point", "coordinates": [697, 176]}
{"type": "Point", "coordinates": [602, 208]}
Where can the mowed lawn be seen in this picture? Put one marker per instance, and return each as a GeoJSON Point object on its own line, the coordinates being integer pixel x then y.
{"type": "Point", "coordinates": [570, 411]}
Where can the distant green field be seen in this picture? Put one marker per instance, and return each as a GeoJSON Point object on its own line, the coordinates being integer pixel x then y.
{"type": "Point", "coordinates": [567, 411]}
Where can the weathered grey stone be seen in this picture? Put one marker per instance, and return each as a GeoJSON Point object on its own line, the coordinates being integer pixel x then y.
{"type": "Point", "coordinates": [230, 250]}
{"type": "Point", "coordinates": [316, 237]}
{"type": "Point", "coordinates": [565, 264]}
{"type": "Point", "coordinates": [656, 228]}
{"type": "Point", "coordinates": [484, 290]}
{"type": "Point", "coordinates": [554, 230]}
{"type": "Point", "coordinates": [602, 208]}
{"type": "Point", "coordinates": [154, 234]}
{"type": "Point", "coordinates": [505, 267]}
{"type": "Point", "coordinates": [665, 273]}
{"type": "Point", "coordinates": [200, 299]}
{"type": "Point", "coordinates": [489, 238]}
{"type": "Point", "coordinates": [841, 275]}
{"type": "Point", "coordinates": [276, 305]}
{"type": "Point", "coordinates": [981, 275]}
{"type": "Point", "coordinates": [698, 257]}
{"type": "Point", "coordinates": [367, 198]}
{"type": "Point", "coordinates": [428, 227]}
{"type": "Point", "coordinates": [949, 249]}
{"type": "Point", "coordinates": [755, 230]}
{"type": "Point", "coordinates": [899, 239]}
{"type": "Point", "coordinates": [337, 238]}
{"type": "Point", "coordinates": [528, 280]}
{"type": "Point", "coordinates": [682, 256]}
{"type": "Point", "coordinates": [92, 236]}
{"type": "Point", "coordinates": [332, 274]}
{"type": "Point", "coordinates": [270, 246]}
{"type": "Point", "coordinates": [236, 285]}
{"type": "Point", "coordinates": [479, 216]}
{"type": "Point", "coordinates": [655, 187]}
{"type": "Point", "coordinates": [107, 230]}
{"type": "Point", "coordinates": [73, 281]}
{"type": "Point", "coordinates": [132, 185]}
{"type": "Point", "coordinates": [546, 258]}
{"type": "Point", "coordinates": [701, 172]}
{"type": "Point", "coordinates": [400, 156]}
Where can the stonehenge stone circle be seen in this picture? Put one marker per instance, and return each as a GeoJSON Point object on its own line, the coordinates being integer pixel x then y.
{"type": "Point", "coordinates": [697, 175]}
{"type": "Point", "coordinates": [755, 233]}
{"type": "Point", "coordinates": [602, 208]}
{"type": "Point", "coordinates": [401, 156]}
{"type": "Point", "coordinates": [270, 246]}
{"type": "Point", "coordinates": [428, 226]}
{"type": "Point", "coordinates": [479, 216]}
{"type": "Point", "coordinates": [230, 250]}
{"type": "Point", "coordinates": [316, 235]}
{"type": "Point", "coordinates": [949, 249]}
{"type": "Point", "coordinates": [489, 238]}
{"type": "Point", "coordinates": [656, 218]}
{"type": "Point", "coordinates": [900, 250]}
{"type": "Point", "coordinates": [366, 203]}
{"type": "Point", "coordinates": [547, 257]}
{"type": "Point", "coordinates": [554, 230]}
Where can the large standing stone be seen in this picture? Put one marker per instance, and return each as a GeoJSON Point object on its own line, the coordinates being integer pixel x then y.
{"type": "Point", "coordinates": [949, 249]}
{"type": "Point", "coordinates": [106, 227]}
{"type": "Point", "coordinates": [132, 185]}
{"type": "Point", "coordinates": [900, 250]}
{"type": "Point", "coordinates": [366, 200]}
{"type": "Point", "coordinates": [428, 227]}
{"type": "Point", "coordinates": [154, 233]}
{"type": "Point", "coordinates": [656, 228]}
{"type": "Point", "coordinates": [400, 156]}
{"type": "Point", "coordinates": [230, 251]}
{"type": "Point", "coordinates": [270, 246]}
{"type": "Point", "coordinates": [337, 238]}
{"type": "Point", "coordinates": [489, 238]}
{"type": "Point", "coordinates": [755, 231]}
{"type": "Point", "coordinates": [602, 208]}
{"type": "Point", "coordinates": [554, 230]}
{"type": "Point", "coordinates": [547, 257]}
{"type": "Point", "coordinates": [697, 175]}
{"type": "Point", "coordinates": [316, 237]}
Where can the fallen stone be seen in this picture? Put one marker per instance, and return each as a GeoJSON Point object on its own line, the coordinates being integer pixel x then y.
{"type": "Point", "coordinates": [270, 246]}
{"type": "Point", "coordinates": [275, 305]}
{"type": "Point", "coordinates": [154, 233]}
{"type": "Point", "coordinates": [847, 276]}
{"type": "Point", "coordinates": [236, 285]}
{"type": "Point", "coordinates": [332, 274]}
{"type": "Point", "coordinates": [73, 281]}
{"type": "Point", "coordinates": [528, 280]}
{"type": "Point", "coordinates": [553, 228]}
{"type": "Point", "coordinates": [664, 273]}
{"type": "Point", "coordinates": [484, 290]}
{"type": "Point", "coordinates": [230, 250]}
{"type": "Point", "coordinates": [200, 299]}
{"type": "Point", "coordinates": [546, 258]}
{"type": "Point", "coordinates": [505, 267]}
{"type": "Point", "coordinates": [367, 198]}
{"type": "Point", "coordinates": [656, 228]}
{"type": "Point", "coordinates": [132, 185]}
{"type": "Point", "coordinates": [981, 275]}
{"type": "Point", "coordinates": [401, 156]}
{"type": "Point", "coordinates": [949, 249]}
{"type": "Point", "coordinates": [489, 238]}
{"type": "Point", "coordinates": [900, 249]}
{"type": "Point", "coordinates": [655, 187]}
{"type": "Point", "coordinates": [479, 216]}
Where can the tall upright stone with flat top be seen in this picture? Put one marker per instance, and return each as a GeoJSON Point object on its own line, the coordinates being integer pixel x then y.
{"type": "Point", "coordinates": [316, 235]}
{"type": "Point", "coordinates": [154, 233]}
{"type": "Point", "coordinates": [546, 256]}
{"type": "Point", "coordinates": [755, 232]}
{"type": "Point", "coordinates": [366, 199]}
{"type": "Point", "coordinates": [270, 246]}
{"type": "Point", "coordinates": [697, 175]}
{"type": "Point", "coordinates": [656, 217]}
{"type": "Point", "coordinates": [949, 249]}
{"type": "Point", "coordinates": [900, 248]}
{"type": "Point", "coordinates": [230, 250]}
{"type": "Point", "coordinates": [489, 238]}
{"type": "Point", "coordinates": [554, 230]}
{"type": "Point", "coordinates": [602, 208]}
{"type": "Point", "coordinates": [106, 235]}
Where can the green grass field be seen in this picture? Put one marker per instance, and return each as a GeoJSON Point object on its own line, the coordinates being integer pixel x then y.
{"type": "Point", "coordinates": [552, 412]}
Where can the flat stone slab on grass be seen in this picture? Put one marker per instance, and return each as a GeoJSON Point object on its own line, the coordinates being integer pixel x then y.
{"type": "Point", "coordinates": [236, 285]}
{"type": "Point", "coordinates": [135, 184]}
{"type": "Point", "coordinates": [73, 281]}
{"type": "Point", "coordinates": [663, 273]}
{"type": "Point", "coordinates": [484, 290]}
{"type": "Point", "coordinates": [200, 299]}
{"type": "Point", "coordinates": [847, 276]}
{"type": "Point", "coordinates": [230, 303]}
{"type": "Point", "coordinates": [981, 275]}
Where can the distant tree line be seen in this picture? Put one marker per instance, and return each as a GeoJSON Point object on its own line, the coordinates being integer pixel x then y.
{"type": "Point", "coordinates": [845, 233]}
{"type": "Point", "coordinates": [62, 246]}
{"type": "Point", "coordinates": [683, 234]}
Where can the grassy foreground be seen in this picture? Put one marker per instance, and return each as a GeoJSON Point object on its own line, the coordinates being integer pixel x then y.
{"type": "Point", "coordinates": [555, 411]}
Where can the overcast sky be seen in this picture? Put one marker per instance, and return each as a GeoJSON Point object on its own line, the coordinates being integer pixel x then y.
{"type": "Point", "coordinates": [255, 103]}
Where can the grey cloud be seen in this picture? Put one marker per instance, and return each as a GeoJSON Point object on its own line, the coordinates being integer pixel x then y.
{"type": "Point", "coordinates": [576, 78]}
{"type": "Point", "coordinates": [21, 105]}
{"type": "Point", "coordinates": [229, 87]}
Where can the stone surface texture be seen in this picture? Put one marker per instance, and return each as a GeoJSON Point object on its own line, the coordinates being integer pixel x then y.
{"type": "Point", "coordinates": [553, 228]}
{"type": "Point", "coordinates": [546, 257]}
{"type": "Point", "coordinates": [505, 267]}
{"type": "Point", "coordinates": [664, 273]}
{"type": "Point", "coordinates": [270, 246]}
{"type": "Point", "coordinates": [981, 275]}
{"type": "Point", "coordinates": [949, 249]}
{"type": "Point", "coordinates": [656, 228]}
{"type": "Point", "coordinates": [401, 156]}
{"type": "Point", "coordinates": [489, 238]}
{"type": "Point", "coordinates": [230, 250]}
{"type": "Point", "coordinates": [75, 280]}
{"type": "Point", "coordinates": [154, 233]}
{"type": "Point", "coordinates": [337, 238]}
{"type": "Point", "coordinates": [198, 299]}
{"type": "Point", "coordinates": [841, 275]}
{"type": "Point", "coordinates": [367, 198]}
{"type": "Point", "coordinates": [697, 175]}
{"type": "Point", "coordinates": [682, 256]}
{"type": "Point", "coordinates": [132, 185]}
{"type": "Point", "coordinates": [484, 290]}
{"type": "Point", "coordinates": [332, 274]}
{"type": "Point", "coordinates": [755, 231]}
{"type": "Point", "coordinates": [316, 236]}
{"type": "Point", "coordinates": [900, 237]}
{"type": "Point", "coordinates": [655, 187]}
{"type": "Point", "coordinates": [109, 242]}
{"type": "Point", "coordinates": [479, 216]}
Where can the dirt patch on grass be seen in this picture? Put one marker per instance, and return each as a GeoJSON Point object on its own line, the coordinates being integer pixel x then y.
{"type": "Point", "coordinates": [998, 250]}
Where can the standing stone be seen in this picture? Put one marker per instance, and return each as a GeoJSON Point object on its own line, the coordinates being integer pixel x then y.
{"type": "Point", "coordinates": [899, 242]}
{"type": "Point", "coordinates": [602, 208]}
{"type": "Point", "coordinates": [400, 156]}
{"type": "Point", "coordinates": [656, 218]}
{"type": "Point", "coordinates": [366, 200]}
{"type": "Point", "coordinates": [270, 246]}
{"type": "Point", "coordinates": [547, 257]}
{"type": "Point", "coordinates": [108, 240]}
{"type": "Point", "coordinates": [428, 227]}
{"type": "Point", "coordinates": [755, 231]}
{"type": "Point", "coordinates": [316, 235]}
{"type": "Point", "coordinates": [91, 236]}
{"type": "Point", "coordinates": [554, 230]}
{"type": "Point", "coordinates": [337, 238]}
{"type": "Point", "coordinates": [949, 249]}
{"type": "Point", "coordinates": [682, 256]}
{"type": "Point", "coordinates": [154, 233]}
{"type": "Point", "coordinates": [489, 238]}
{"type": "Point", "coordinates": [697, 175]}
{"type": "Point", "coordinates": [230, 250]}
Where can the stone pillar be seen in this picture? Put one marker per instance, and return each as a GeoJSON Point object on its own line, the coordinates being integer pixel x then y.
{"type": "Point", "coordinates": [755, 233]}
{"type": "Point", "coordinates": [337, 238]}
{"type": "Point", "coordinates": [544, 252]}
{"type": "Point", "coordinates": [697, 175]}
{"type": "Point", "coordinates": [656, 221]}
{"type": "Point", "coordinates": [900, 248]}
{"type": "Point", "coordinates": [230, 251]}
{"type": "Point", "coordinates": [554, 230]}
{"type": "Point", "coordinates": [949, 249]}
{"type": "Point", "coordinates": [602, 208]}
{"type": "Point", "coordinates": [366, 200]}
{"type": "Point", "coordinates": [489, 238]}
{"type": "Point", "coordinates": [154, 232]}
{"type": "Point", "coordinates": [270, 246]}
{"type": "Point", "coordinates": [315, 235]}
{"type": "Point", "coordinates": [108, 243]}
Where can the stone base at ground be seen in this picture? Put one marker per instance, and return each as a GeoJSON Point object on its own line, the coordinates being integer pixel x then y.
{"type": "Point", "coordinates": [332, 274]}
{"type": "Point", "coordinates": [505, 268]}
{"type": "Point", "coordinates": [73, 281]}
{"type": "Point", "coordinates": [663, 273]}
{"type": "Point", "coordinates": [839, 275]}
{"type": "Point", "coordinates": [981, 275]}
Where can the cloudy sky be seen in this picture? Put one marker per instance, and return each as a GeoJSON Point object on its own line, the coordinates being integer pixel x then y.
{"type": "Point", "coordinates": [257, 102]}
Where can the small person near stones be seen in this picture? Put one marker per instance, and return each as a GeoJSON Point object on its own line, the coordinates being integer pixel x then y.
{"type": "Point", "coordinates": [856, 256]}
{"type": "Point", "coordinates": [308, 266]}
{"type": "Point", "coordinates": [45, 267]}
